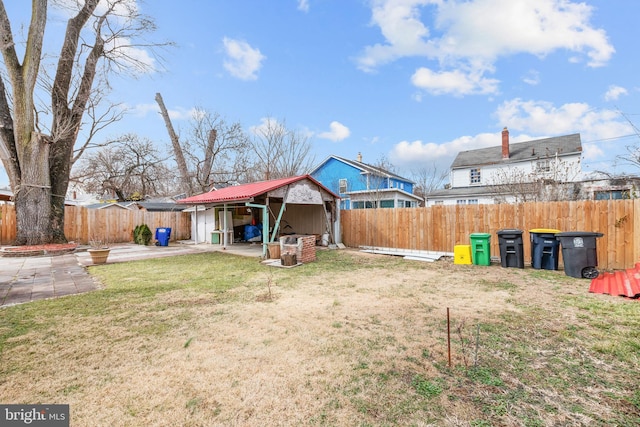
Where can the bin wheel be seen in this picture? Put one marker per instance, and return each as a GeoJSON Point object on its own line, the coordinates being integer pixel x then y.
{"type": "Point", "coordinates": [590, 272]}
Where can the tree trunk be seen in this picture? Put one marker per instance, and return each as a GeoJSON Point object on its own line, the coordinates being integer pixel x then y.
{"type": "Point", "coordinates": [32, 197]}
{"type": "Point", "coordinates": [59, 166]}
{"type": "Point", "coordinates": [187, 186]}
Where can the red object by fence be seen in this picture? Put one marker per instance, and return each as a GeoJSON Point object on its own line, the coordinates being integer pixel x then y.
{"type": "Point", "coordinates": [624, 283]}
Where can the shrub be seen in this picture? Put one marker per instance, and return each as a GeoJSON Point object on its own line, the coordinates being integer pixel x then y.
{"type": "Point", "coordinates": [142, 235]}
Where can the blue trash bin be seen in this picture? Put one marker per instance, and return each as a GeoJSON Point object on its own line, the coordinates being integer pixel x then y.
{"type": "Point", "coordinates": [162, 236]}
{"type": "Point", "coordinates": [544, 248]}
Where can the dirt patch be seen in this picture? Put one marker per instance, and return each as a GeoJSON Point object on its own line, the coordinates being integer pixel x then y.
{"type": "Point", "coordinates": [356, 346]}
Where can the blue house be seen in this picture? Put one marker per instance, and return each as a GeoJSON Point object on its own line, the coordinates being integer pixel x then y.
{"type": "Point", "coordinates": [362, 186]}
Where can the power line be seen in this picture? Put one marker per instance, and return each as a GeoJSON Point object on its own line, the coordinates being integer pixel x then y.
{"type": "Point", "coordinates": [612, 138]}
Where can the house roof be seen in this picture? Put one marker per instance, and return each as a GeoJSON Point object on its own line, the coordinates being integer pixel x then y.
{"type": "Point", "coordinates": [122, 205]}
{"type": "Point", "coordinates": [246, 192]}
{"type": "Point", "coordinates": [521, 151]}
{"type": "Point", "coordinates": [364, 168]}
{"type": "Point", "coordinates": [385, 191]}
{"type": "Point", "coordinates": [5, 194]}
{"type": "Point", "coordinates": [160, 206]}
{"type": "Point", "coordinates": [480, 190]}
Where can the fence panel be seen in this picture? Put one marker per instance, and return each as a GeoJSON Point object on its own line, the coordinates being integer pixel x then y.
{"type": "Point", "coordinates": [7, 224]}
{"type": "Point", "coordinates": [114, 225]}
{"type": "Point", "coordinates": [440, 228]}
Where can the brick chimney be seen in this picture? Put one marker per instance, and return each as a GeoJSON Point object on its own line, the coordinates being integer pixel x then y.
{"type": "Point", "coordinates": [359, 158]}
{"type": "Point", "coordinates": [505, 143]}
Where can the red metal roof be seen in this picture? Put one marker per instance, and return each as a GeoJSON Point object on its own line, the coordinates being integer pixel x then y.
{"type": "Point", "coordinates": [244, 192]}
{"type": "Point", "coordinates": [619, 283]}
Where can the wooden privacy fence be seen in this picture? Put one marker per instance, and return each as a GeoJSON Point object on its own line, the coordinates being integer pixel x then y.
{"type": "Point", "coordinates": [440, 228]}
{"type": "Point", "coordinates": [82, 224]}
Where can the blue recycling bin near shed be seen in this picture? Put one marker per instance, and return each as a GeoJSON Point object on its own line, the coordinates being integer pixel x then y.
{"type": "Point", "coordinates": [162, 236]}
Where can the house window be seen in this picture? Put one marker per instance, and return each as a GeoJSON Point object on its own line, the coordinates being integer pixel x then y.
{"type": "Point", "coordinates": [387, 204]}
{"type": "Point", "coordinates": [543, 166]}
{"type": "Point", "coordinates": [402, 185]}
{"type": "Point", "coordinates": [408, 204]}
{"type": "Point", "coordinates": [364, 205]}
{"type": "Point", "coordinates": [612, 195]}
{"type": "Point", "coordinates": [475, 176]}
{"type": "Point", "coordinates": [461, 202]}
{"type": "Point", "coordinates": [343, 186]}
{"type": "Point", "coordinates": [472, 201]}
{"type": "Point", "coordinates": [439, 202]}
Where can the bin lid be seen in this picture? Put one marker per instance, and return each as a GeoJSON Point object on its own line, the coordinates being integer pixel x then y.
{"type": "Point", "coordinates": [580, 234]}
{"type": "Point", "coordinates": [509, 231]}
{"type": "Point", "coordinates": [480, 235]}
{"type": "Point", "coordinates": [544, 230]}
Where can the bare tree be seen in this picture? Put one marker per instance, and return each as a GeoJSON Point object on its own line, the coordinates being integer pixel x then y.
{"type": "Point", "coordinates": [129, 168]}
{"type": "Point", "coordinates": [549, 180]}
{"type": "Point", "coordinates": [632, 157]}
{"type": "Point", "coordinates": [279, 152]}
{"type": "Point", "coordinates": [216, 151]}
{"type": "Point", "coordinates": [515, 184]}
{"type": "Point", "coordinates": [427, 179]}
{"type": "Point", "coordinates": [37, 155]}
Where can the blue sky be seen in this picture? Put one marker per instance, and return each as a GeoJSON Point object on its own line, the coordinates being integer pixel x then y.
{"type": "Point", "coordinates": [415, 81]}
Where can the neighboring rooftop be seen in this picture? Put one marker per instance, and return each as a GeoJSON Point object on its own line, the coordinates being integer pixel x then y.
{"type": "Point", "coordinates": [520, 151]}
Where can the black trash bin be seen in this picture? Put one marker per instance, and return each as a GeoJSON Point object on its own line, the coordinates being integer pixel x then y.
{"type": "Point", "coordinates": [579, 253]}
{"type": "Point", "coordinates": [511, 252]}
{"type": "Point", "coordinates": [544, 248]}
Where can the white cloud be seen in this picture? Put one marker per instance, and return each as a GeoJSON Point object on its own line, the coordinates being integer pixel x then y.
{"type": "Point", "coordinates": [135, 60]}
{"type": "Point", "coordinates": [614, 93]}
{"type": "Point", "coordinates": [473, 34]}
{"type": "Point", "coordinates": [268, 126]}
{"type": "Point", "coordinates": [544, 118]}
{"type": "Point", "coordinates": [600, 131]}
{"type": "Point", "coordinates": [493, 28]}
{"type": "Point", "coordinates": [242, 60]}
{"type": "Point", "coordinates": [418, 152]}
{"type": "Point", "coordinates": [337, 132]}
{"type": "Point", "coordinates": [531, 78]}
{"type": "Point", "coordinates": [119, 48]}
{"type": "Point", "coordinates": [455, 82]}
{"type": "Point", "coordinates": [143, 110]}
{"type": "Point", "coordinates": [303, 5]}
{"type": "Point", "coordinates": [592, 152]}
{"type": "Point", "coordinates": [400, 24]}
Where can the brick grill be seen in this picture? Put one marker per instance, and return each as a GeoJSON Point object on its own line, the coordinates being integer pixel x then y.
{"type": "Point", "coordinates": [304, 247]}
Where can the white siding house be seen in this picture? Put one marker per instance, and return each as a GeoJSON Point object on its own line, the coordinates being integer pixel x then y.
{"type": "Point", "coordinates": [482, 175]}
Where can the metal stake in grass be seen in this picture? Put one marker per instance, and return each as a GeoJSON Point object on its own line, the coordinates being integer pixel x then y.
{"type": "Point", "coordinates": [449, 337]}
{"type": "Point", "coordinates": [475, 356]}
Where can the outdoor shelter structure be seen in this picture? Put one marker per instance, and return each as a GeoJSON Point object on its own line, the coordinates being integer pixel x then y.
{"type": "Point", "coordinates": [294, 205]}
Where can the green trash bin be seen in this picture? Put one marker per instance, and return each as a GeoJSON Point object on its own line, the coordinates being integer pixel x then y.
{"type": "Point", "coordinates": [215, 237]}
{"type": "Point", "coordinates": [480, 248]}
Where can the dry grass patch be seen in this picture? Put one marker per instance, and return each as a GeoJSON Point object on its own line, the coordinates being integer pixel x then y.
{"type": "Point", "coordinates": [352, 339]}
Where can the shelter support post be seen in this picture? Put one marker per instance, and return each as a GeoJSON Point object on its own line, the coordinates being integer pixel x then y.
{"type": "Point", "coordinates": [276, 227]}
{"type": "Point", "coordinates": [265, 225]}
{"type": "Point", "coordinates": [195, 240]}
{"type": "Point", "coordinates": [225, 231]}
